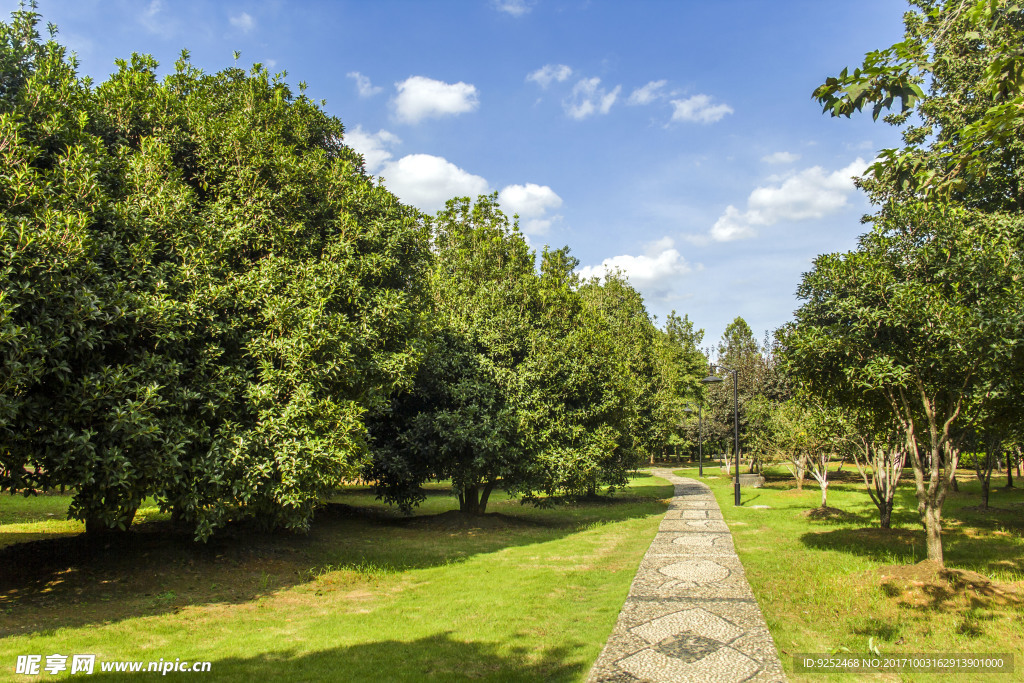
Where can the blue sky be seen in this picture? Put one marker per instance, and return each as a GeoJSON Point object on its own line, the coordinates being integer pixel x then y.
{"type": "Point", "coordinates": [676, 140]}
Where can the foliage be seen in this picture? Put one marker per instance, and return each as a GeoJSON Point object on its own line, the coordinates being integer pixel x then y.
{"type": "Point", "coordinates": [923, 319]}
{"type": "Point", "coordinates": [460, 419]}
{"type": "Point", "coordinates": [203, 292]}
{"type": "Point", "coordinates": [737, 350]}
{"type": "Point", "coordinates": [575, 405]}
{"type": "Point", "coordinates": [634, 361]}
{"type": "Point", "coordinates": [523, 385]}
{"type": "Point", "coordinates": [966, 142]}
{"type": "Point", "coordinates": [680, 366]}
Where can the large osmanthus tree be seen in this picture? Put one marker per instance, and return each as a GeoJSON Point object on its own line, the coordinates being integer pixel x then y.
{"type": "Point", "coordinates": [203, 292]}
{"type": "Point", "coordinates": [522, 385]}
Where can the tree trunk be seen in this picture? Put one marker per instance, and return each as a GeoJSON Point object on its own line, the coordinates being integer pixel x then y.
{"type": "Point", "coordinates": [824, 494]}
{"type": "Point", "coordinates": [488, 487]}
{"type": "Point", "coordinates": [983, 470]}
{"type": "Point", "coordinates": [469, 499]}
{"type": "Point", "coordinates": [885, 512]}
{"type": "Point", "coordinates": [473, 498]}
{"type": "Point", "coordinates": [933, 532]}
{"type": "Point", "coordinates": [96, 527]}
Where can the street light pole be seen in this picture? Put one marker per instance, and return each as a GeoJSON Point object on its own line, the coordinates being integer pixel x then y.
{"type": "Point", "coordinates": [700, 435]}
{"type": "Point", "coordinates": [700, 439]}
{"type": "Point", "coordinates": [736, 429]}
{"type": "Point", "coordinates": [712, 378]}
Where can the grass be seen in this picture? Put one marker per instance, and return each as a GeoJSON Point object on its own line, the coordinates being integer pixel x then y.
{"type": "Point", "coordinates": [520, 594]}
{"type": "Point", "coordinates": [833, 581]}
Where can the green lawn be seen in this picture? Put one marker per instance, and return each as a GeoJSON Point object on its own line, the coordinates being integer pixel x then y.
{"type": "Point", "coordinates": [837, 583]}
{"type": "Point", "coordinates": [523, 594]}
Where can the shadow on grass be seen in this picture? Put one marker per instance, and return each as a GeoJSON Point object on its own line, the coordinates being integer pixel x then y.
{"type": "Point", "coordinates": [438, 657]}
{"type": "Point", "coordinates": [68, 581]}
{"type": "Point", "coordinates": [979, 552]}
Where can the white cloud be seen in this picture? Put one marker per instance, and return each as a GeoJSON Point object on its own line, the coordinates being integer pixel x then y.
{"type": "Point", "coordinates": [363, 85]}
{"type": "Point", "coordinates": [780, 158]}
{"type": "Point", "coordinates": [153, 23]}
{"type": "Point", "coordinates": [699, 109]}
{"type": "Point", "coordinates": [427, 182]}
{"type": "Point", "coordinates": [373, 146]}
{"type": "Point", "coordinates": [652, 272]}
{"type": "Point", "coordinates": [243, 22]}
{"type": "Point", "coordinates": [589, 98]}
{"type": "Point", "coordinates": [420, 97]}
{"type": "Point", "coordinates": [516, 8]}
{"type": "Point", "coordinates": [532, 202]}
{"type": "Point", "coordinates": [548, 73]}
{"type": "Point", "coordinates": [270, 63]}
{"type": "Point", "coordinates": [810, 194]}
{"type": "Point", "coordinates": [647, 93]}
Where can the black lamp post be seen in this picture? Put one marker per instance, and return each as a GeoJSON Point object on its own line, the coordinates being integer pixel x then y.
{"type": "Point", "coordinates": [700, 436]}
{"type": "Point", "coordinates": [712, 378]}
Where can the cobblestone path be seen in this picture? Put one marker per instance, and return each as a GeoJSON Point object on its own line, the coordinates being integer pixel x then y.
{"type": "Point", "coordinates": [690, 614]}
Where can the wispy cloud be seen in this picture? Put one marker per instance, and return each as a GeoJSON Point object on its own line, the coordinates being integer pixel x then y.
{"type": "Point", "coordinates": [780, 158]}
{"type": "Point", "coordinates": [548, 73]}
{"type": "Point", "coordinates": [516, 8]}
{"type": "Point", "coordinates": [699, 109]}
{"type": "Point", "coordinates": [588, 98]}
{"type": "Point", "coordinates": [648, 93]}
{"type": "Point", "coordinates": [243, 22]}
{"type": "Point", "coordinates": [420, 97]}
{"type": "Point", "coordinates": [152, 19]}
{"type": "Point", "coordinates": [363, 85]}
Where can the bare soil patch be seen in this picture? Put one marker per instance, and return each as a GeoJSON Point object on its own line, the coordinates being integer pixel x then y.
{"type": "Point", "coordinates": [829, 513]}
{"type": "Point", "coordinates": [928, 584]}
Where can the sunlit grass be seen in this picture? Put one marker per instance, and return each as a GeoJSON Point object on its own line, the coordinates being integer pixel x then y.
{"type": "Point", "coordinates": [820, 581]}
{"type": "Point", "coordinates": [369, 594]}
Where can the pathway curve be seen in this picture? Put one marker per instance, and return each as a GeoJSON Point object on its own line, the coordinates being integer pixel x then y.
{"type": "Point", "coordinates": [690, 614]}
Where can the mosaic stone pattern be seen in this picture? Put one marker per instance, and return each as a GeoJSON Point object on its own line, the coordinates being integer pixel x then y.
{"type": "Point", "coordinates": [690, 614]}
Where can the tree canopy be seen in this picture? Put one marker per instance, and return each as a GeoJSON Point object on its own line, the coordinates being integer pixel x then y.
{"type": "Point", "coordinates": [203, 292]}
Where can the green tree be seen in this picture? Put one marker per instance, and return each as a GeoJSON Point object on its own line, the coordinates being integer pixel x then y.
{"type": "Point", "coordinates": [622, 308]}
{"type": "Point", "coordinates": [965, 142]}
{"type": "Point", "coordinates": [737, 350]}
{"type": "Point", "coordinates": [460, 420]}
{"type": "Point", "coordinates": [924, 318]}
{"type": "Point", "coordinates": [680, 366]}
{"type": "Point", "coordinates": [204, 294]}
{"type": "Point", "coordinates": [574, 411]}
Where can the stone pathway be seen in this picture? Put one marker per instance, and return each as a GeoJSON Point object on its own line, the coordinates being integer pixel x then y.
{"type": "Point", "coordinates": [690, 614]}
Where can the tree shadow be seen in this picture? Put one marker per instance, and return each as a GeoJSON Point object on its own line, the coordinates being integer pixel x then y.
{"type": "Point", "coordinates": [69, 581]}
{"type": "Point", "coordinates": [983, 553]}
{"type": "Point", "coordinates": [437, 657]}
